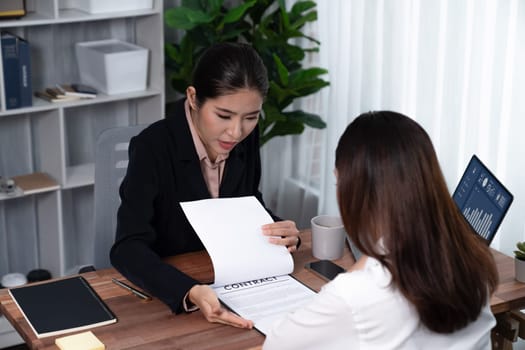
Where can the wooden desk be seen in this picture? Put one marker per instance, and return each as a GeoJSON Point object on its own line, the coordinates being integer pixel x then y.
{"type": "Point", "coordinates": [510, 294]}
{"type": "Point", "coordinates": [506, 303]}
{"type": "Point", "coordinates": [152, 325]}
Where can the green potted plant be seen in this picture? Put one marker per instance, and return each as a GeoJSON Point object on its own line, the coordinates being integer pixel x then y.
{"type": "Point", "coordinates": [519, 262]}
{"type": "Point", "coordinates": [273, 31]}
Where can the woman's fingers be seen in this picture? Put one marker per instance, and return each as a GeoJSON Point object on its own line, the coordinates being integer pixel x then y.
{"type": "Point", "coordinates": [229, 318]}
{"type": "Point", "coordinates": [283, 233]}
{"type": "Point", "coordinates": [204, 297]}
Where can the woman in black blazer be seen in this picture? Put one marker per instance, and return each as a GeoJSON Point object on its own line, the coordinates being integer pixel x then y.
{"type": "Point", "coordinates": [207, 147]}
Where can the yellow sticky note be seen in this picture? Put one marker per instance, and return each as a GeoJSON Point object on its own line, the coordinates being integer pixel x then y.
{"type": "Point", "coordinates": [80, 341]}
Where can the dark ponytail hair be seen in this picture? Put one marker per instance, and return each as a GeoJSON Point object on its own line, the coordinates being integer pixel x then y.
{"type": "Point", "coordinates": [390, 188]}
{"type": "Point", "coordinates": [227, 67]}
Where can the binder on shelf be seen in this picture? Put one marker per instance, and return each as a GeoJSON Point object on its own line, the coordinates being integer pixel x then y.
{"type": "Point", "coordinates": [16, 58]}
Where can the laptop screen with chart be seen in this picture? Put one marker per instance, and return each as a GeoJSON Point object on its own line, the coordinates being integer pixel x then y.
{"type": "Point", "coordinates": [482, 199]}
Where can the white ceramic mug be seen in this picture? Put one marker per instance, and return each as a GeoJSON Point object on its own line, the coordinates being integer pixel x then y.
{"type": "Point", "coordinates": [328, 237]}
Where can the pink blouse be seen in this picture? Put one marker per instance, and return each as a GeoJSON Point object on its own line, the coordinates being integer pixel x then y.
{"type": "Point", "coordinates": [212, 171]}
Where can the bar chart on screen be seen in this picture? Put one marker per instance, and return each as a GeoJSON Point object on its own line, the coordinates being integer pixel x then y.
{"type": "Point", "coordinates": [482, 199]}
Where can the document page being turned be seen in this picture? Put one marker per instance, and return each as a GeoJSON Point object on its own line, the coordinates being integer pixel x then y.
{"type": "Point", "coordinates": [251, 274]}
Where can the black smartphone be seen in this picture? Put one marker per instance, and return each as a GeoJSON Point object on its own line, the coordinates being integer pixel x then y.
{"type": "Point", "coordinates": [325, 269]}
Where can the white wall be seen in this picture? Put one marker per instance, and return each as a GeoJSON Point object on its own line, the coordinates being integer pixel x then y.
{"type": "Point", "coordinates": [456, 66]}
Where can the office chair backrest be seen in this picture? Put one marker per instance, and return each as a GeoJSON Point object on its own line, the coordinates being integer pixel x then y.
{"type": "Point", "coordinates": [111, 162]}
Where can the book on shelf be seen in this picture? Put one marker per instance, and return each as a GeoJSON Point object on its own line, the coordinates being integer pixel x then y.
{"type": "Point", "coordinates": [30, 184]}
{"type": "Point", "coordinates": [16, 60]}
{"type": "Point", "coordinates": [253, 281]}
{"type": "Point", "coordinates": [52, 97]}
{"type": "Point", "coordinates": [78, 90]}
{"type": "Point", "coordinates": [60, 306]}
{"type": "Point", "coordinates": [35, 183]}
{"type": "Point", "coordinates": [12, 9]}
{"type": "Point", "coordinates": [60, 94]}
{"type": "Point", "coordinates": [66, 92]}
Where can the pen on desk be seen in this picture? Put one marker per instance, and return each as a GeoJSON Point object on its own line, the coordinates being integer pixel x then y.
{"type": "Point", "coordinates": [138, 293]}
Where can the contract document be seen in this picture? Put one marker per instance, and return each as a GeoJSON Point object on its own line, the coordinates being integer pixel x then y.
{"type": "Point", "coordinates": [251, 274]}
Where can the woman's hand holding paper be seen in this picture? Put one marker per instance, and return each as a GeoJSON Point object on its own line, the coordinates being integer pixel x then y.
{"type": "Point", "coordinates": [283, 233]}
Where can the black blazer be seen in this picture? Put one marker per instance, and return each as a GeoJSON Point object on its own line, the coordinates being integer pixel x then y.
{"type": "Point", "coordinates": [164, 170]}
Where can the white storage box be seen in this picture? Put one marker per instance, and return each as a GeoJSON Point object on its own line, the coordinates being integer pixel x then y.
{"type": "Point", "coordinates": [112, 66]}
{"type": "Point", "coordinates": [104, 6]}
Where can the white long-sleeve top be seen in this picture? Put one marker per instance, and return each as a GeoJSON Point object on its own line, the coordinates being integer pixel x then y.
{"type": "Point", "coordinates": [360, 310]}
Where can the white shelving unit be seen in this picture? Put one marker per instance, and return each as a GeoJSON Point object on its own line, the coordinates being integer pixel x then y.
{"type": "Point", "coordinates": [54, 230]}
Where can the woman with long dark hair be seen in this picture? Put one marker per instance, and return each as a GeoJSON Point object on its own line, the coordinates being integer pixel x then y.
{"type": "Point", "coordinates": [424, 280]}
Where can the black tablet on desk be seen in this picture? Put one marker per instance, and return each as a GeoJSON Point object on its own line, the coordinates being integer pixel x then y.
{"type": "Point", "coordinates": [482, 199]}
{"type": "Point", "coordinates": [60, 306]}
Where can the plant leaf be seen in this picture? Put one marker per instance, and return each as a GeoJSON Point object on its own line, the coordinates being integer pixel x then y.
{"type": "Point", "coordinates": [279, 94]}
{"type": "Point", "coordinates": [310, 119]}
{"type": "Point", "coordinates": [282, 128]}
{"type": "Point", "coordinates": [172, 52]}
{"type": "Point", "coordinates": [309, 17]}
{"type": "Point", "coordinates": [236, 13]}
{"type": "Point", "coordinates": [302, 76]}
{"type": "Point", "coordinates": [193, 4]}
{"type": "Point", "coordinates": [311, 87]}
{"type": "Point", "coordinates": [272, 113]}
{"type": "Point", "coordinates": [294, 53]}
{"type": "Point", "coordinates": [284, 14]}
{"type": "Point", "coordinates": [186, 18]}
{"type": "Point", "coordinates": [301, 6]}
{"type": "Point", "coordinates": [214, 6]}
{"type": "Point", "coordinates": [281, 70]}
{"type": "Point", "coordinates": [519, 254]}
{"type": "Point", "coordinates": [233, 34]}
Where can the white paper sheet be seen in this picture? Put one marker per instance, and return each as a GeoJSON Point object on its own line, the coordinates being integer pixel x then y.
{"type": "Point", "coordinates": [266, 300]}
{"type": "Point", "coordinates": [230, 229]}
